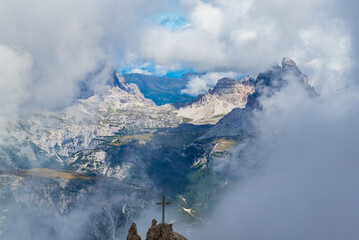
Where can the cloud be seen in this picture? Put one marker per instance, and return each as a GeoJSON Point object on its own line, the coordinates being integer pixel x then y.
{"type": "Point", "coordinates": [53, 46]}
{"type": "Point", "coordinates": [75, 209]}
{"type": "Point", "coordinates": [346, 10]}
{"type": "Point", "coordinates": [201, 84]}
{"type": "Point", "coordinates": [141, 71]}
{"type": "Point", "coordinates": [308, 148]}
{"type": "Point", "coordinates": [69, 42]}
{"type": "Point", "coordinates": [15, 70]}
{"type": "Point", "coordinates": [304, 187]}
{"type": "Point", "coordinates": [248, 36]}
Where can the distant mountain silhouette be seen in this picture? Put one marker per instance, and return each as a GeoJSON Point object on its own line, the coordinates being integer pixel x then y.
{"type": "Point", "coordinates": [161, 90]}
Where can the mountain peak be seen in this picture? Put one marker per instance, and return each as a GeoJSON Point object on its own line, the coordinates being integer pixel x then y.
{"type": "Point", "coordinates": [277, 77]}
{"type": "Point", "coordinates": [212, 106]}
{"type": "Point", "coordinates": [120, 82]}
{"type": "Point", "coordinates": [225, 86]}
{"type": "Point", "coordinates": [288, 62]}
{"type": "Point", "coordinates": [289, 66]}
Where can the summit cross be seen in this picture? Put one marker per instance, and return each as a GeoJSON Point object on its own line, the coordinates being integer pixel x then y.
{"type": "Point", "coordinates": [163, 203]}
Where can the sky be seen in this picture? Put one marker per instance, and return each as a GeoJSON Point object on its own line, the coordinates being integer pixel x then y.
{"type": "Point", "coordinates": [47, 45]}
{"type": "Point", "coordinates": [306, 188]}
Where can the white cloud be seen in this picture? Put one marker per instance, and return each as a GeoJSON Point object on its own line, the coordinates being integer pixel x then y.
{"type": "Point", "coordinates": [201, 84]}
{"type": "Point", "coordinates": [141, 71]}
{"type": "Point", "coordinates": [303, 189]}
{"type": "Point", "coordinates": [67, 42]}
{"type": "Point", "coordinates": [15, 73]}
{"type": "Point", "coordinates": [249, 36]}
{"type": "Point", "coordinates": [207, 17]}
{"type": "Point", "coordinates": [308, 183]}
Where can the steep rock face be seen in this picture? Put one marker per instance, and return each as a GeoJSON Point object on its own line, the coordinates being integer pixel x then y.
{"type": "Point", "coordinates": [212, 106]}
{"type": "Point", "coordinates": [266, 84]}
{"type": "Point", "coordinates": [236, 123]}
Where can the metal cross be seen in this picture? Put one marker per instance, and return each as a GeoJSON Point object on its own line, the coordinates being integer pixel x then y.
{"type": "Point", "coordinates": [163, 203]}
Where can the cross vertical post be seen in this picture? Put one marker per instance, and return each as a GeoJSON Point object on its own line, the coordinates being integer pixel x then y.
{"type": "Point", "coordinates": [163, 203]}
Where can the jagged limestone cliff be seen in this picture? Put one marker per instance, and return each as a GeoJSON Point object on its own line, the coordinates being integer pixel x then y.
{"type": "Point", "coordinates": [212, 106]}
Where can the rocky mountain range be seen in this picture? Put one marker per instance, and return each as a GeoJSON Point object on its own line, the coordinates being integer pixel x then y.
{"type": "Point", "coordinates": [51, 137]}
{"type": "Point", "coordinates": [238, 121]}
{"type": "Point", "coordinates": [110, 155]}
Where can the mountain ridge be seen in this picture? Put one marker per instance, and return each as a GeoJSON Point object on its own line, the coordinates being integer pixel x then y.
{"type": "Point", "coordinates": [122, 138]}
{"type": "Point", "coordinates": [239, 120]}
{"type": "Point", "coordinates": [226, 95]}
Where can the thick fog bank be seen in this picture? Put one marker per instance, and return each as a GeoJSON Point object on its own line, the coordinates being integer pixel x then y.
{"type": "Point", "coordinates": [306, 185]}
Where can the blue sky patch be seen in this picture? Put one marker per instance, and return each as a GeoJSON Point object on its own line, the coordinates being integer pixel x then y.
{"type": "Point", "coordinates": [171, 21]}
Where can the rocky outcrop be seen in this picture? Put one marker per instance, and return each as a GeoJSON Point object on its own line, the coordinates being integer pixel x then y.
{"type": "Point", "coordinates": [132, 233]}
{"type": "Point", "coordinates": [212, 106]}
{"type": "Point", "coordinates": [130, 88]}
{"type": "Point", "coordinates": [161, 231]}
